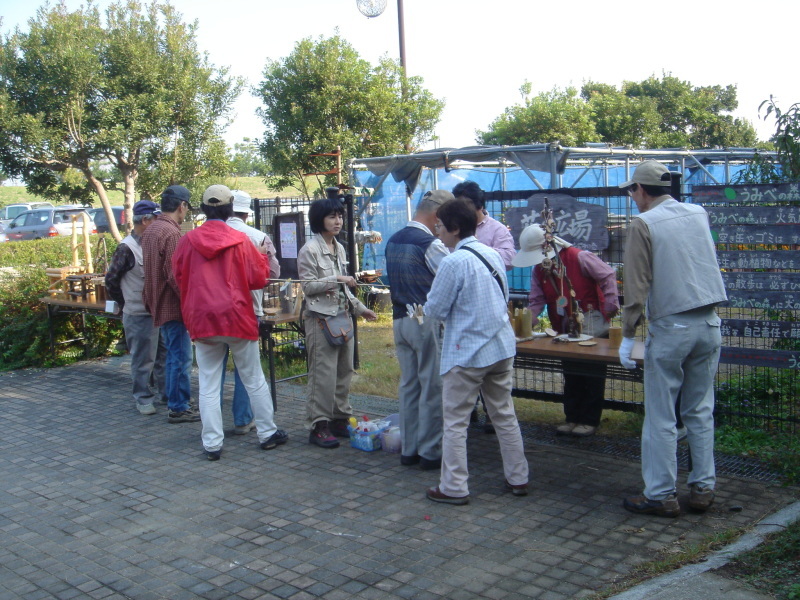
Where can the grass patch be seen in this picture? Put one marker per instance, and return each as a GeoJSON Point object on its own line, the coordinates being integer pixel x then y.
{"type": "Point", "coordinates": [781, 451]}
{"type": "Point", "coordinates": [774, 566]}
{"type": "Point", "coordinates": [670, 559]}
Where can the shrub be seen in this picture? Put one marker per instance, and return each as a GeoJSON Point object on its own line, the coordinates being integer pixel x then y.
{"type": "Point", "coordinates": [24, 336]}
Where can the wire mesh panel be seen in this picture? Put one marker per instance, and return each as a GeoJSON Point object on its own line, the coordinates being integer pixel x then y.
{"type": "Point", "coordinates": [757, 231]}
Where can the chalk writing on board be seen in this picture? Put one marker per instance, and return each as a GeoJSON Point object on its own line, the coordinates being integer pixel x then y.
{"type": "Point", "coordinates": [774, 282]}
{"type": "Point", "coordinates": [777, 259]}
{"type": "Point", "coordinates": [766, 330]}
{"type": "Point", "coordinates": [764, 193]}
{"type": "Point", "coordinates": [757, 215]}
{"type": "Point", "coordinates": [776, 235]}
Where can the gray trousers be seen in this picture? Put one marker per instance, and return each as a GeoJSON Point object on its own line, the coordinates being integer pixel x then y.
{"type": "Point", "coordinates": [681, 355]}
{"type": "Point", "coordinates": [419, 351]}
{"type": "Point", "coordinates": [330, 370]}
{"type": "Point", "coordinates": [148, 356]}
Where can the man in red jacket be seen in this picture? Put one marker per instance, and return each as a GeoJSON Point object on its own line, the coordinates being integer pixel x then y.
{"type": "Point", "coordinates": [215, 267]}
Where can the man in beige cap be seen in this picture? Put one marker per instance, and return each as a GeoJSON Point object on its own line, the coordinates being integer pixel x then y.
{"type": "Point", "coordinates": [413, 255]}
{"type": "Point", "coordinates": [594, 285]}
{"type": "Point", "coordinates": [671, 269]}
{"type": "Point", "coordinates": [215, 267]}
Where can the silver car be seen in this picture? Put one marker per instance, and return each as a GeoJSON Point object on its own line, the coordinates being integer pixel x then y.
{"type": "Point", "coordinates": [46, 222]}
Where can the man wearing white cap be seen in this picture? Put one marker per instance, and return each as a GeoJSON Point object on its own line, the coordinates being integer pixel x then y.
{"type": "Point", "coordinates": [215, 267]}
{"type": "Point", "coordinates": [242, 413]}
{"type": "Point", "coordinates": [671, 269]}
{"type": "Point", "coordinates": [594, 285]}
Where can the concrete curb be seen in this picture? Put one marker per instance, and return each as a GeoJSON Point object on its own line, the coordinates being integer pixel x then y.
{"type": "Point", "coordinates": [770, 524]}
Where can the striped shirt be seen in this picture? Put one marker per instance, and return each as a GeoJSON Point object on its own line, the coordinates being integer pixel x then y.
{"type": "Point", "coordinates": [467, 298]}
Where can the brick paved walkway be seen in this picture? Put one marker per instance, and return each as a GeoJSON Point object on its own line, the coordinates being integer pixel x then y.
{"type": "Point", "coordinates": [97, 501]}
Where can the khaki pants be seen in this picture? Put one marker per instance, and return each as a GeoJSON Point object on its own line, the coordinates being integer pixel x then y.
{"type": "Point", "coordinates": [459, 389]}
{"type": "Point", "coordinates": [330, 369]}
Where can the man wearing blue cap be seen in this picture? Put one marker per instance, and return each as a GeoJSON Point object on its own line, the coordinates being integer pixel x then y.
{"type": "Point", "coordinates": [125, 282]}
{"type": "Point", "coordinates": [162, 300]}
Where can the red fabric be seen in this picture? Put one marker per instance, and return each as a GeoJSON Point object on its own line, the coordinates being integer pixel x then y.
{"type": "Point", "coordinates": [587, 292]}
{"type": "Point", "coordinates": [216, 267]}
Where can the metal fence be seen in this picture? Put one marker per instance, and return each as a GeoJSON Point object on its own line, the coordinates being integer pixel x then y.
{"type": "Point", "coordinates": [749, 392]}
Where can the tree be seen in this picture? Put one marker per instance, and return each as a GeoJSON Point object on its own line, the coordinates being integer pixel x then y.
{"type": "Point", "coordinates": [786, 138]}
{"type": "Point", "coordinates": [134, 95]}
{"type": "Point", "coordinates": [323, 95]}
{"type": "Point", "coordinates": [246, 160]}
{"type": "Point", "coordinates": [654, 113]}
{"type": "Point", "coordinates": [554, 116]}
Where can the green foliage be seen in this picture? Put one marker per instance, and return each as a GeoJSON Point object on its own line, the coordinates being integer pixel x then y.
{"type": "Point", "coordinates": [781, 451]}
{"type": "Point", "coordinates": [548, 117]}
{"type": "Point", "coordinates": [655, 113]}
{"type": "Point", "coordinates": [246, 160]}
{"type": "Point", "coordinates": [324, 95]}
{"type": "Point", "coordinates": [24, 338]}
{"type": "Point", "coordinates": [81, 96]}
{"type": "Point", "coordinates": [773, 566]}
{"type": "Point", "coordinates": [761, 391]}
{"type": "Point", "coordinates": [786, 138]}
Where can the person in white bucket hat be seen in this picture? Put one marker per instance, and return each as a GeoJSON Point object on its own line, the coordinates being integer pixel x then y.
{"type": "Point", "coordinates": [595, 286]}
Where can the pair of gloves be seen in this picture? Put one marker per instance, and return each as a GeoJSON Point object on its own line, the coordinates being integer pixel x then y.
{"type": "Point", "coordinates": [415, 311]}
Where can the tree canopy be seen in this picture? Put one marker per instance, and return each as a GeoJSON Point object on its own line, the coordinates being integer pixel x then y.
{"type": "Point", "coordinates": [654, 113]}
{"type": "Point", "coordinates": [324, 95]}
{"type": "Point", "coordinates": [131, 95]}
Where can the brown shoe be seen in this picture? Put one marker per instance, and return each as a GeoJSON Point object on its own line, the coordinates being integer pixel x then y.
{"type": "Point", "coordinates": [642, 505]}
{"type": "Point", "coordinates": [437, 496]}
{"type": "Point", "coordinates": [701, 499]}
{"type": "Point", "coordinates": [321, 436]}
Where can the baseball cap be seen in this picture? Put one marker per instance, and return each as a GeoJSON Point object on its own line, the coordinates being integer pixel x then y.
{"type": "Point", "coordinates": [145, 207]}
{"type": "Point", "coordinates": [217, 195]}
{"type": "Point", "coordinates": [241, 202]}
{"type": "Point", "coordinates": [178, 192]}
{"type": "Point", "coordinates": [437, 197]}
{"type": "Point", "coordinates": [650, 172]}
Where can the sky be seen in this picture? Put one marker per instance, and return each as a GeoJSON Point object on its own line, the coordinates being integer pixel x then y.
{"type": "Point", "coordinates": [475, 54]}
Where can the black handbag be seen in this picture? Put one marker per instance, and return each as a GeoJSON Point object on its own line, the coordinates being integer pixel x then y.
{"type": "Point", "coordinates": [338, 330]}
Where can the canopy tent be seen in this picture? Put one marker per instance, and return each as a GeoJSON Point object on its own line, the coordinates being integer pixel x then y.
{"type": "Point", "coordinates": [386, 203]}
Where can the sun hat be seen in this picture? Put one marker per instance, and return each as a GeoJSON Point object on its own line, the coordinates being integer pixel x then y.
{"type": "Point", "coordinates": [217, 195]}
{"type": "Point", "coordinates": [241, 202]}
{"type": "Point", "coordinates": [650, 172]}
{"type": "Point", "coordinates": [532, 247]}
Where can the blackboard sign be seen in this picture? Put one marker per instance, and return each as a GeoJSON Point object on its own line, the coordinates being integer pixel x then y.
{"type": "Point", "coordinates": [761, 330]}
{"type": "Point", "coordinates": [289, 236]}
{"type": "Point", "coordinates": [766, 235]}
{"type": "Point", "coordinates": [759, 259]}
{"type": "Point", "coordinates": [582, 225]}
{"type": "Point", "coordinates": [757, 194]}
{"type": "Point", "coordinates": [779, 359]}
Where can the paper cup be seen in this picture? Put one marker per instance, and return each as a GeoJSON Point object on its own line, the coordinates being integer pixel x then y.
{"type": "Point", "coordinates": [614, 337]}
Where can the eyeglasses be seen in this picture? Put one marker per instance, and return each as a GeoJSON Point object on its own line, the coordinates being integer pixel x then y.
{"type": "Point", "coordinates": [632, 188]}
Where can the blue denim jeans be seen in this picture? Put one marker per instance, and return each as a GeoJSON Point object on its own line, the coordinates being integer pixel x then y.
{"type": "Point", "coordinates": [242, 413]}
{"type": "Point", "coordinates": [179, 365]}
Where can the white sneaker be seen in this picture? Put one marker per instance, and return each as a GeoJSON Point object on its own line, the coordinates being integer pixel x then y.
{"type": "Point", "coordinates": [566, 428]}
{"type": "Point", "coordinates": [146, 409]}
{"type": "Point", "coordinates": [244, 429]}
{"type": "Point", "coordinates": [584, 430]}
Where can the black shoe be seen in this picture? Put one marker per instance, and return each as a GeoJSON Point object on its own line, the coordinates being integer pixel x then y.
{"type": "Point", "coordinates": [190, 415]}
{"type": "Point", "coordinates": [213, 454]}
{"type": "Point", "coordinates": [321, 436]}
{"type": "Point", "coordinates": [338, 428]}
{"type": "Point", "coordinates": [408, 461]}
{"type": "Point", "coordinates": [642, 505]}
{"type": "Point", "coordinates": [426, 464]}
{"type": "Point", "coordinates": [276, 439]}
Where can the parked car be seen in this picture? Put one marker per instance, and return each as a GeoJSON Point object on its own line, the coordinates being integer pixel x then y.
{"type": "Point", "coordinates": [45, 222]}
{"type": "Point", "coordinates": [101, 220]}
{"type": "Point", "coordinates": [7, 213]}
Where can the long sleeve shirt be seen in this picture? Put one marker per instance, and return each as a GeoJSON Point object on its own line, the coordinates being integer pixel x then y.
{"type": "Point", "coordinates": [467, 298]}
{"type": "Point", "coordinates": [592, 267]}
{"type": "Point", "coordinates": [494, 234]}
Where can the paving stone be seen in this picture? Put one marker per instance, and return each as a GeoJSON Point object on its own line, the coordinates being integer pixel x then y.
{"type": "Point", "coordinates": [90, 508]}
